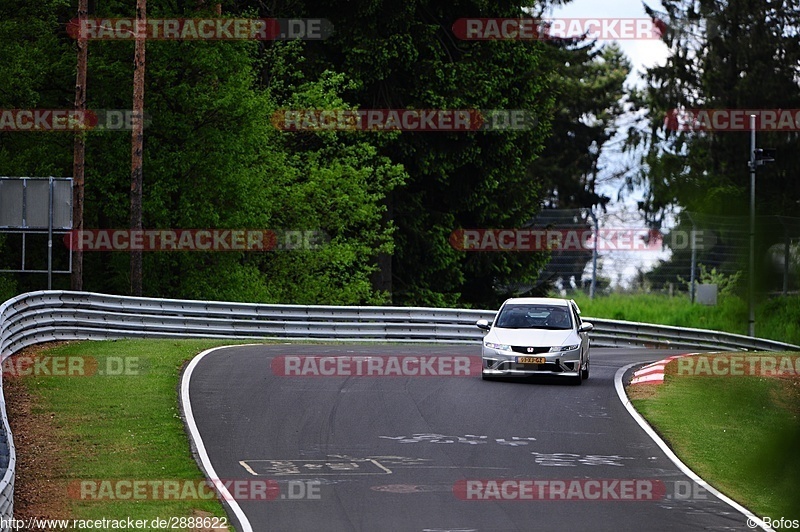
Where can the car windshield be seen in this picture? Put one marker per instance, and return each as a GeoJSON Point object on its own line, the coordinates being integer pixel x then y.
{"type": "Point", "coordinates": [521, 316]}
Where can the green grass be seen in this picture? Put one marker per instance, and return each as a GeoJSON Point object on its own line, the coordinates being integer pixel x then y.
{"type": "Point", "coordinates": [776, 319]}
{"type": "Point", "coordinates": [741, 434]}
{"type": "Point", "coordinates": [123, 427]}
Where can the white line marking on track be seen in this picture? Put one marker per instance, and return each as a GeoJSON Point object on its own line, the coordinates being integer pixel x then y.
{"type": "Point", "coordinates": [327, 467]}
{"type": "Point", "coordinates": [249, 469]}
{"type": "Point", "coordinates": [623, 397]}
{"type": "Point", "coordinates": [208, 469]}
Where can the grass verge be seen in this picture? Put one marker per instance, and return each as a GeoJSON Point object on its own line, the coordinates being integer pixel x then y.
{"type": "Point", "coordinates": [739, 433]}
{"type": "Point", "coordinates": [777, 318]}
{"type": "Point", "coordinates": [104, 425]}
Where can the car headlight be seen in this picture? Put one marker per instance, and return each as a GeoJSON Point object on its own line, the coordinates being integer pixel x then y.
{"type": "Point", "coordinates": [500, 347]}
{"type": "Point", "coordinates": [557, 349]}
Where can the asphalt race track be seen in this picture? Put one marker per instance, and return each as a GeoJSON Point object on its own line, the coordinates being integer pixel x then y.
{"type": "Point", "coordinates": [403, 453]}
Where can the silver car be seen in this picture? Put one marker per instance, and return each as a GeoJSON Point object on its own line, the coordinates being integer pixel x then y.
{"type": "Point", "coordinates": [536, 336]}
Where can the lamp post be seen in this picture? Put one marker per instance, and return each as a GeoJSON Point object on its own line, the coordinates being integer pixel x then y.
{"type": "Point", "coordinates": [758, 157]}
{"type": "Point", "coordinates": [751, 319]}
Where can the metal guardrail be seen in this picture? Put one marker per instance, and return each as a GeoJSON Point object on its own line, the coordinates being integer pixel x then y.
{"type": "Point", "coordinates": [44, 316]}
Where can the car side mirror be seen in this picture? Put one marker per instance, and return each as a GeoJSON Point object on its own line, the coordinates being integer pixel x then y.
{"type": "Point", "coordinates": [585, 327]}
{"type": "Point", "coordinates": [484, 324]}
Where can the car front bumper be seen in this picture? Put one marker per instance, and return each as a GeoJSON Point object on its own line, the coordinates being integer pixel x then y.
{"type": "Point", "coordinates": [497, 363]}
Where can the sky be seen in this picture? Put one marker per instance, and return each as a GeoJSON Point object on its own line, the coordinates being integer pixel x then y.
{"type": "Point", "coordinates": [642, 53]}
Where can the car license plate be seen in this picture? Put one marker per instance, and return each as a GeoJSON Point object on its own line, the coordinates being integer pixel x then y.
{"type": "Point", "coordinates": [531, 360]}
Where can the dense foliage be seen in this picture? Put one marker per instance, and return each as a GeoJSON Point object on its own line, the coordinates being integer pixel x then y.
{"type": "Point", "coordinates": [388, 202]}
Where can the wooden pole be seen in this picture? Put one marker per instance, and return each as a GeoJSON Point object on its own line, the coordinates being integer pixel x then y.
{"type": "Point", "coordinates": [137, 142]}
{"type": "Point", "coordinates": [79, 151]}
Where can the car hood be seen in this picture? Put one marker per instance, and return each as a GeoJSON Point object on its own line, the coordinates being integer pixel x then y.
{"type": "Point", "coordinates": [531, 337]}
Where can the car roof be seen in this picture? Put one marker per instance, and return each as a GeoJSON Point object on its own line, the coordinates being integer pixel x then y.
{"type": "Point", "coordinates": [537, 301]}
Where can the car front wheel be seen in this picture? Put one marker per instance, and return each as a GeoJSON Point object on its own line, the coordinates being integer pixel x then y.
{"type": "Point", "coordinates": [578, 379]}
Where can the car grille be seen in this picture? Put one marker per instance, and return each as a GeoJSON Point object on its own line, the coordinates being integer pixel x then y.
{"type": "Point", "coordinates": [535, 349]}
{"type": "Point", "coordinates": [530, 367]}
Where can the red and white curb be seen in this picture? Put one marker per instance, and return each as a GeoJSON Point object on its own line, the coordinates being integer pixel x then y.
{"type": "Point", "coordinates": [654, 373]}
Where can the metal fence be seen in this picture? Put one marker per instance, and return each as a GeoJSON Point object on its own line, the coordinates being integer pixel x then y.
{"type": "Point", "coordinates": [44, 316]}
{"type": "Point", "coordinates": [600, 252]}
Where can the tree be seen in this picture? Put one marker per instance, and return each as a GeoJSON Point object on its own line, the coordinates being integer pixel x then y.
{"type": "Point", "coordinates": [590, 91]}
{"type": "Point", "coordinates": [590, 96]}
{"type": "Point", "coordinates": [404, 55]}
{"type": "Point", "coordinates": [213, 160]}
{"type": "Point", "coordinates": [725, 54]}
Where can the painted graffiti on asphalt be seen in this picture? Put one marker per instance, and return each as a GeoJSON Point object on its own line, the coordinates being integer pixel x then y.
{"type": "Point", "coordinates": [572, 460]}
{"type": "Point", "coordinates": [469, 439]}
